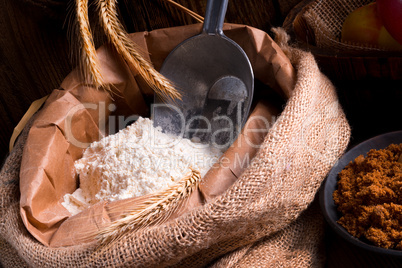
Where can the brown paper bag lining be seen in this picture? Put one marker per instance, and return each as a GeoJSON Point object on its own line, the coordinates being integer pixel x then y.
{"type": "Point", "coordinates": [75, 115]}
{"type": "Point", "coordinates": [33, 108]}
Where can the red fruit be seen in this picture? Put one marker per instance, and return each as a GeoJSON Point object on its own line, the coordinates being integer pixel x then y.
{"type": "Point", "coordinates": [390, 12]}
{"type": "Point", "coordinates": [364, 26]}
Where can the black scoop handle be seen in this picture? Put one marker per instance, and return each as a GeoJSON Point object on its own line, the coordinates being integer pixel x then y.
{"type": "Point", "coordinates": [215, 16]}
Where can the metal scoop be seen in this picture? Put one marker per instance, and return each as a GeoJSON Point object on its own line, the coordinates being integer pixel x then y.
{"type": "Point", "coordinates": [216, 80]}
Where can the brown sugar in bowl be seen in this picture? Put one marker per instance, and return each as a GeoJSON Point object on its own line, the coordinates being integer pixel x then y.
{"type": "Point", "coordinates": [327, 203]}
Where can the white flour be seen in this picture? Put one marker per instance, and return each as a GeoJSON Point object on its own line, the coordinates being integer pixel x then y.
{"type": "Point", "coordinates": [137, 160]}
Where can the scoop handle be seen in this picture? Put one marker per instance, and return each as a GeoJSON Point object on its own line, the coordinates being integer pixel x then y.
{"type": "Point", "coordinates": [215, 16]}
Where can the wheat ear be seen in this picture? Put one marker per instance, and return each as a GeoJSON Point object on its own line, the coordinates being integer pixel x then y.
{"type": "Point", "coordinates": [88, 61]}
{"type": "Point", "coordinates": [129, 51]}
{"type": "Point", "coordinates": [153, 209]}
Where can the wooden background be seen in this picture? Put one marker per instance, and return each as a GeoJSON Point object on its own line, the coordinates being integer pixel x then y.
{"type": "Point", "coordinates": [35, 57]}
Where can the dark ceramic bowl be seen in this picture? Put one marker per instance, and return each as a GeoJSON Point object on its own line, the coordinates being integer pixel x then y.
{"type": "Point", "coordinates": [328, 207]}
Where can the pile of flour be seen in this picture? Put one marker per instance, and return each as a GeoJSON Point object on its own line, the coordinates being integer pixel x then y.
{"type": "Point", "coordinates": [137, 160]}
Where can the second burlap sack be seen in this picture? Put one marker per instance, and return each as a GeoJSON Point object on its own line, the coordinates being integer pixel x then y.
{"type": "Point", "coordinates": [266, 218]}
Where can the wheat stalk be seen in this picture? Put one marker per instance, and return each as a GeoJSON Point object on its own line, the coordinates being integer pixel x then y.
{"type": "Point", "coordinates": [88, 60]}
{"type": "Point", "coordinates": [186, 10]}
{"type": "Point", "coordinates": [153, 209]}
{"type": "Point", "coordinates": [129, 51]}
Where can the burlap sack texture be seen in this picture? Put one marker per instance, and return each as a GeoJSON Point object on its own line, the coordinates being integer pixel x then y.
{"type": "Point", "coordinates": [325, 19]}
{"type": "Point", "coordinates": [265, 219]}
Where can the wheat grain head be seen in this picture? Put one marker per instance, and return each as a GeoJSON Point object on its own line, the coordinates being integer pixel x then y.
{"type": "Point", "coordinates": [130, 52]}
{"type": "Point", "coordinates": [154, 209]}
{"type": "Point", "coordinates": [88, 60]}
{"type": "Point", "coordinates": [149, 210]}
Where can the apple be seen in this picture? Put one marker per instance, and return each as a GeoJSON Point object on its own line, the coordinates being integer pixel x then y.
{"type": "Point", "coordinates": [364, 26]}
{"type": "Point", "coordinates": [391, 14]}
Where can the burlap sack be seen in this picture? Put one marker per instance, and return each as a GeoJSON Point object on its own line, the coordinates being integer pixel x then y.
{"type": "Point", "coordinates": [325, 19]}
{"type": "Point", "coordinates": [64, 128]}
{"type": "Point", "coordinates": [262, 220]}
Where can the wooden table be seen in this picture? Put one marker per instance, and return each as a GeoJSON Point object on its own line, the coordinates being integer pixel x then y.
{"type": "Point", "coordinates": [341, 254]}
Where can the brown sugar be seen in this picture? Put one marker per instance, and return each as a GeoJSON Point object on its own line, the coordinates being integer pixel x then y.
{"type": "Point", "coordinates": [369, 196]}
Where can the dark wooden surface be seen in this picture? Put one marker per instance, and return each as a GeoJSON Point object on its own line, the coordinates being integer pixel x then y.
{"type": "Point", "coordinates": [34, 59]}
{"type": "Point", "coordinates": [340, 254]}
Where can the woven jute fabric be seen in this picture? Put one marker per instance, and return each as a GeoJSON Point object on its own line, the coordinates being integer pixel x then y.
{"type": "Point", "coordinates": [267, 218]}
{"type": "Point", "coordinates": [326, 17]}
{"type": "Point", "coordinates": [297, 245]}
